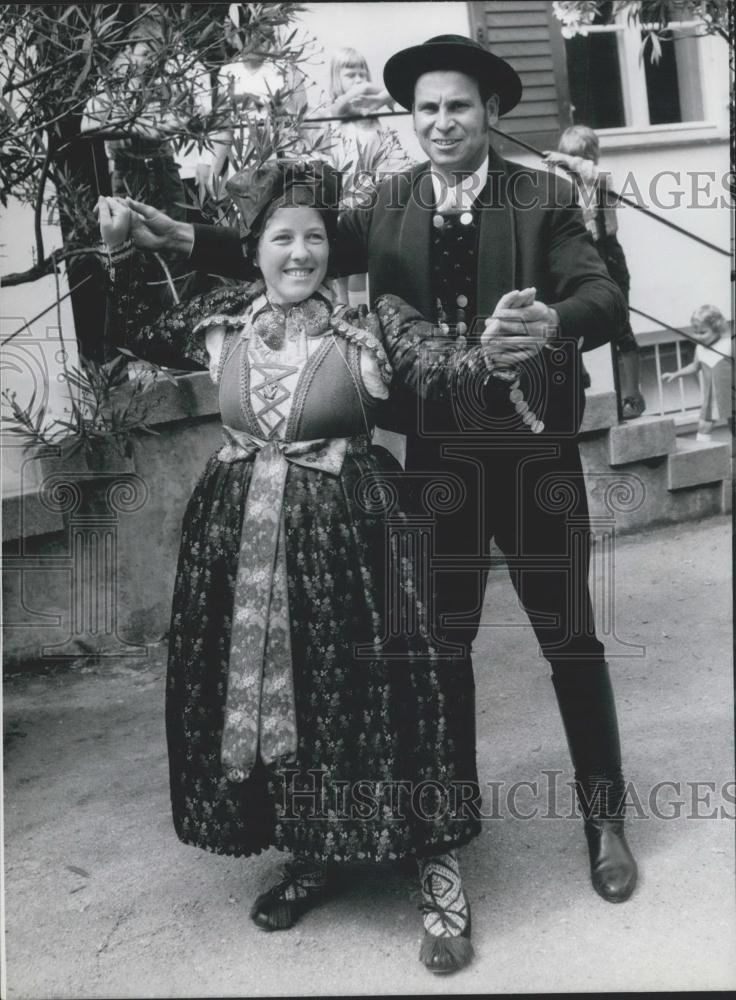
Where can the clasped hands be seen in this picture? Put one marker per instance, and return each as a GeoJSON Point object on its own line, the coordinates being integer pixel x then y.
{"type": "Point", "coordinates": [149, 228]}
{"type": "Point", "coordinates": [517, 331]}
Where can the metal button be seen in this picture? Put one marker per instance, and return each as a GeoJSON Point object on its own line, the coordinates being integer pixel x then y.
{"type": "Point", "coordinates": [522, 406]}
{"type": "Point", "coordinates": [461, 329]}
{"type": "Point", "coordinates": [438, 222]}
{"type": "Point", "coordinates": [538, 426]}
{"type": "Point", "coordinates": [515, 395]}
{"type": "Point", "coordinates": [466, 218]}
{"type": "Point", "coordinates": [462, 301]}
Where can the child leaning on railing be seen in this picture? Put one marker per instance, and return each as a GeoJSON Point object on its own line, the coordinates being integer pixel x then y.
{"type": "Point", "coordinates": [712, 360]}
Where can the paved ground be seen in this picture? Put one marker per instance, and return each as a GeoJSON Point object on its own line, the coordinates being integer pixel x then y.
{"type": "Point", "coordinates": [103, 901]}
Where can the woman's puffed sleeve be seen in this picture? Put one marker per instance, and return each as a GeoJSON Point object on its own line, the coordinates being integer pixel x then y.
{"type": "Point", "coordinates": [373, 380]}
{"type": "Point", "coordinates": [216, 333]}
{"type": "Point", "coordinates": [183, 328]}
{"type": "Point", "coordinates": [362, 328]}
{"type": "Point", "coordinates": [423, 360]}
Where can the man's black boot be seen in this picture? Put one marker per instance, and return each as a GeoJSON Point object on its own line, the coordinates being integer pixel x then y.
{"type": "Point", "coordinates": [588, 710]}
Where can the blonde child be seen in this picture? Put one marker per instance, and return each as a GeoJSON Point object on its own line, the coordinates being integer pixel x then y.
{"type": "Point", "coordinates": [363, 150]}
{"type": "Point", "coordinates": [713, 361]}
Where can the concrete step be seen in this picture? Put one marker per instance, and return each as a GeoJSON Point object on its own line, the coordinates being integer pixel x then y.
{"type": "Point", "coordinates": [637, 440]}
{"type": "Point", "coordinates": [697, 462]}
{"type": "Point", "coordinates": [600, 411]}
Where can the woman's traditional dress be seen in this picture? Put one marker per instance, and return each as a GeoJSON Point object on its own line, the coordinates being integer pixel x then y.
{"type": "Point", "coordinates": [305, 706]}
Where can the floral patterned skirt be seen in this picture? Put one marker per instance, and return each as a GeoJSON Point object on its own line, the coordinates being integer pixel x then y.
{"type": "Point", "coordinates": [385, 765]}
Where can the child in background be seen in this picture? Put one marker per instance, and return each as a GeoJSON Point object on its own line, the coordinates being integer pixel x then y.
{"type": "Point", "coordinates": [710, 329]}
{"type": "Point", "coordinates": [363, 150]}
{"type": "Point", "coordinates": [578, 153]}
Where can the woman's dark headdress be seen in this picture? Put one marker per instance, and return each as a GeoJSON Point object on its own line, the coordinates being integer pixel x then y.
{"type": "Point", "coordinates": [313, 183]}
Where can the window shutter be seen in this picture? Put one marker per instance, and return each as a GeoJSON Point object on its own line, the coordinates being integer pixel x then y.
{"type": "Point", "coordinates": [527, 34]}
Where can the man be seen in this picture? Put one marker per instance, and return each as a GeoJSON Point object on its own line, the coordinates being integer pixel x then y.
{"type": "Point", "coordinates": [483, 246]}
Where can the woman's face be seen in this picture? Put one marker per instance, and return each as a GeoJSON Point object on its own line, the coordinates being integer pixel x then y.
{"type": "Point", "coordinates": [292, 253]}
{"type": "Point", "coordinates": [350, 76]}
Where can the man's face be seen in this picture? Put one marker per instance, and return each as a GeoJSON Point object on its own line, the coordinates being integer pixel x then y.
{"type": "Point", "coordinates": [451, 121]}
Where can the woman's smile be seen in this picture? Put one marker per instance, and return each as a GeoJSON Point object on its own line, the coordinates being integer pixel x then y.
{"type": "Point", "coordinates": [292, 253]}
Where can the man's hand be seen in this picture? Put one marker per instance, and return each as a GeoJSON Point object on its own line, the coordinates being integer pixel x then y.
{"type": "Point", "coordinates": [151, 229]}
{"type": "Point", "coordinates": [518, 329]}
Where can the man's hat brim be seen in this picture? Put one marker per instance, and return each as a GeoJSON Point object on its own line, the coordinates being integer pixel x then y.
{"type": "Point", "coordinates": [463, 55]}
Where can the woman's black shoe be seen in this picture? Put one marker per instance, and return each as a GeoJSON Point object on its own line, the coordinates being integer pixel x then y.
{"type": "Point", "coordinates": [613, 870]}
{"type": "Point", "coordinates": [301, 888]}
{"type": "Point", "coordinates": [447, 953]}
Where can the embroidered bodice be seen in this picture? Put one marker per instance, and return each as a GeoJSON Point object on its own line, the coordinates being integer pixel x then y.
{"type": "Point", "coordinates": [298, 373]}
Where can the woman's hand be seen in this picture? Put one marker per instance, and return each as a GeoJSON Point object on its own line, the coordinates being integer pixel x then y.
{"type": "Point", "coordinates": [670, 376]}
{"type": "Point", "coordinates": [115, 218]}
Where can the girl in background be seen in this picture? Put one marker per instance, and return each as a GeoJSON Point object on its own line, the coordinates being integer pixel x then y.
{"type": "Point", "coordinates": [713, 361]}
{"type": "Point", "coordinates": [363, 149]}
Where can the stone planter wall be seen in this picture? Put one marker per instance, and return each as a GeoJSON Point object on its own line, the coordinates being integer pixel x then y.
{"type": "Point", "coordinates": [90, 559]}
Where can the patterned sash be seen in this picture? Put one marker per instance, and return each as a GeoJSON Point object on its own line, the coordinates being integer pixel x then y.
{"type": "Point", "coordinates": [260, 710]}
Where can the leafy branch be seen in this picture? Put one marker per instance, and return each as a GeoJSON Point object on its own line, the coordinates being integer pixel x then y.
{"type": "Point", "coordinates": [57, 60]}
{"type": "Point", "coordinates": [103, 407]}
{"type": "Point", "coordinates": [658, 18]}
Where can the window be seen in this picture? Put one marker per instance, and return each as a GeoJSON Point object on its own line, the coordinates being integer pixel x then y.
{"type": "Point", "coordinates": [663, 96]}
{"type": "Point", "coordinates": [679, 399]}
{"type": "Point", "coordinates": [613, 84]}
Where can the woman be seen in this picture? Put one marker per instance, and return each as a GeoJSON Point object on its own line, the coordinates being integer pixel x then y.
{"type": "Point", "coordinates": [300, 712]}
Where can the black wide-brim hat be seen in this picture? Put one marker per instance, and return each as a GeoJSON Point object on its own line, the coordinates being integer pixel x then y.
{"type": "Point", "coordinates": [453, 52]}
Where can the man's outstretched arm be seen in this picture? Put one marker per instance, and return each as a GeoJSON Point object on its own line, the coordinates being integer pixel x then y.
{"type": "Point", "coordinates": [215, 249]}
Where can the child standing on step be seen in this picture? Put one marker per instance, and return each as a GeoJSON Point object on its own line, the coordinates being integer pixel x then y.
{"type": "Point", "coordinates": [713, 360]}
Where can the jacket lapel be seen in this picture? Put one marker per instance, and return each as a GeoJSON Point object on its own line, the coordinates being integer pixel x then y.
{"type": "Point", "coordinates": [415, 236]}
{"type": "Point", "coordinates": [496, 272]}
